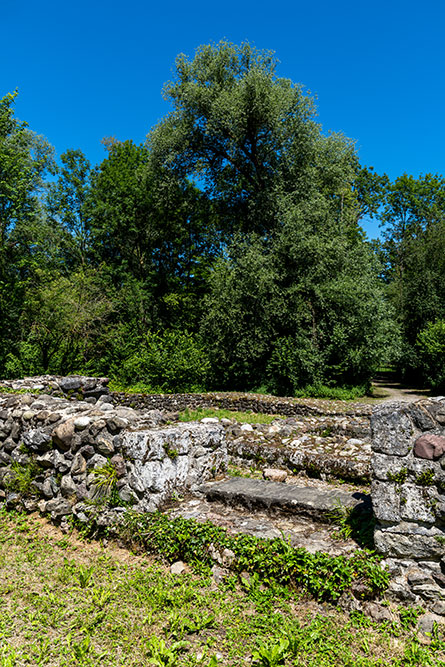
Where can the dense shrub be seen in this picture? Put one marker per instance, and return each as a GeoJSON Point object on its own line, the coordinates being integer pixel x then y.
{"type": "Point", "coordinates": [431, 350]}
{"type": "Point", "coordinates": [168, 361]}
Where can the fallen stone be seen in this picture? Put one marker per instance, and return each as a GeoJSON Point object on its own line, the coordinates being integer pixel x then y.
{"type": "Point", "coordinates": [378, 612]}
{"type": "Point", "coordinates": [218, 574]}
{"type": "Point", "coordinates": [427, 621]}
{"type": "Point", "coordinates": [178, 567]}
{"type": "Point", "coordinates": [274, 475]}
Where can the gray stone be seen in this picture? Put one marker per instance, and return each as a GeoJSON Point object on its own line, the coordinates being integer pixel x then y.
{"type": "Point", "coordinates": [385, 467]}
{"type": "Point", "coordinates": [391, 429]}
{"type": "Point", "coordinates": [12, 500]}
{"type": "Point", "coordinates": [178, 567]}
{"type": "Point", "coordinates": [417, 503]}
{"type": "Point", "coordinates": [104, 446]}
{"type": "Point", "coordinates": [37, 440]}
{"type": "Point", "coordinates": [378, 612]}
{"type": "Point", "coordinates": [58, 507]}
{"type": "Point", "coordinates": [81, 423]}
{"type": "Point", "coordinates": [47, 489]}
{"type": "Point", "coordinates": [386, 501]}
{"type": "Point", "coordinates": [422, 418]}
{"type": "Point", "coordinates": [438, 607]}
{"type": "Point", "coordinates": [404, 545]}
{"type": "Point", "coordinates": [67, 486]}
{"type": "Point", "coordinates": [427, 621]}
{"type": "Point", "coordinates": [70, 384]}
{"type": "Point", "coordinates": [126, 494]}
{"type": "Point", "coordinates": [307, 501]}
{"type": "Point", "coordinates": [116, 424]}
{"type": "Point", "coordinates": [219, 574]}
{"type": "Point", "coordinates": [96, 461]}
{"type": "Point", "coordinates": [79, 465]}
{"type": "Point", "coordinates": [61, 463]}
{"type": "Point", "coordinates": [87, 451]}
{"type": "Point", "coordinates": [30, 504]}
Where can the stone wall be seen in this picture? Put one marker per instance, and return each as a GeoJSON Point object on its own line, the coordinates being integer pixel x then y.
{"type": "Point", "coordinates": [272, 405]}
{"type": "Point", "coordinates": [80, 387]}
{"type": "Point", "coordinates": [408, 495]}
{"type": "Point", "coordinates": [69, 456]}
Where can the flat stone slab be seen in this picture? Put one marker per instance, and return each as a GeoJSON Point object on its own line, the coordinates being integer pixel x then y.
{"type": "Point", "coordinates": [286, 498]}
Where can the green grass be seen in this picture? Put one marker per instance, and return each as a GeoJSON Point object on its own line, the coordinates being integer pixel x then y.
{"type": "Point", "coordinates": [68, 603]}
{"type": "Point", "coordinates": [333, 393]}
{"type": "Point", "coordinates": [242, 417]}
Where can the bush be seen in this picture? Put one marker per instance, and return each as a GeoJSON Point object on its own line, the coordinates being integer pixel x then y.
{"type": "Point", "coordinates": [431, 347]}
{"type": "Point", "coordinates": [170, 361]}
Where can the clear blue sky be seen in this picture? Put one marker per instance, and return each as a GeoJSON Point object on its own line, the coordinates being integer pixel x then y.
{"type": "Point", "coordinates": [90, 69]}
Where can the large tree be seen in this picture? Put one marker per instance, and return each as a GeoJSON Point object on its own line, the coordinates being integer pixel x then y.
{"type": "Point", "coordinates": [25, 158]}
{"type": "Point", "coordinates": [244, 135]}
{"type": "Point", "coordinates": [414, 254]}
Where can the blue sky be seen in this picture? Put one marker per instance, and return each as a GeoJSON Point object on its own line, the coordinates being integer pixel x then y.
{"type": "Point", "coordinates": [90, 69]}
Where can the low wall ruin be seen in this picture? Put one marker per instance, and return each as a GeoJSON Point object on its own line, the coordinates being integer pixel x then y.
{"type": "Point", "coordinates": [75, 457]}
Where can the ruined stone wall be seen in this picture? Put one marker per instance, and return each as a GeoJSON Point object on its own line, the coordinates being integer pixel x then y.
{"type": "Point", "coordinates": [408, 495]}
{"type": "Point", "coordinates": [69, 456]}
{"type": "Point", "coordinates": [272, 405]}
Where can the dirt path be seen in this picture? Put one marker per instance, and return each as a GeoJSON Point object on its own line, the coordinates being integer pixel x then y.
{"type": "Point", "coordinates": [387, 388]}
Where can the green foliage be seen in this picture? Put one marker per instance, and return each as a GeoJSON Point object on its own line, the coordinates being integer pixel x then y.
{"type": "Point", "coordinates": [334, 393]}
{"type": "Point", "coordinates": [62, 318]}
{"type": "Point", "coordinates": [160, 654]}
{"type": "Point", "coordinates": [399, 477]}
{"type": "Point", "coordinates": [64, 606]}
{"type": "Point", "coordinates": [225, 253]}
{"type": "Point", "coordinates": [426, 478]}
{"type": "Point", "coordinates": [431, 348]}
{"type": "Point", "coordinates": [188, 415]}
{"type": "Point", "coordinates": [21, 477]}
{"type": "Point", "coordinates": [169, 361]}
{"type": "Point", "coordinates": [275, 561]}
{"type": "Point", "coordinates": [271, 655]}
{"type": "Point", "coordinates": [414, 256]}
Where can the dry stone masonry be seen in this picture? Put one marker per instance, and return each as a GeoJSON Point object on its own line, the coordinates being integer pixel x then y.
{"type": "Point", "coordinates": [81, 456]}
{"type": "Point", "coordinates": [408, 495]}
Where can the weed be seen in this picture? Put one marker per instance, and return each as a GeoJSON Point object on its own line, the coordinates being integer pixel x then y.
{"type": "Point", "coordinates": [275, 561]}
{"type": "Point", "coordinates": [21, 477]}
{"type": "Point", "coordinates": [163, 656]}
{"type": "Point", "coordinates": [425, 478]}
{"type": "Point", "coordinates": [398, 478]}
{"type": "Point", "coordinates": [171, 452]}
{"type": "Point", "coordinates": [271, 655]}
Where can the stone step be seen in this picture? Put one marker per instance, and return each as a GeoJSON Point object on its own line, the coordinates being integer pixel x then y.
{"type": "Point", "coordinates": [301, 532]}
{"type": "Point", "coordinates": [285, 498]}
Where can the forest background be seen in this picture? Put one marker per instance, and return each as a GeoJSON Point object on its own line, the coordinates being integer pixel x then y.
{"type": "Point", "coordinates": [225, 252]}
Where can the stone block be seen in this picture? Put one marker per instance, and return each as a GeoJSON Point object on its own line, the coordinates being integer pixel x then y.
{"type": "Point", "coordinates": [392, 429]}
{"type": "Point", "coordinates": [386, 501]}
{"type": "Point", "coordinates": [418, 503]}
{"type": "Point", "coordinates": [389, 468]}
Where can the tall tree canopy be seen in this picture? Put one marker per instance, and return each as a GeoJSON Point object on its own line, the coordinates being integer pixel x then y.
{"type": "Point", "coordinates": [244, 135]}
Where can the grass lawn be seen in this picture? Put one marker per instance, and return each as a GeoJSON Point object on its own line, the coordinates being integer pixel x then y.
{"type": "Point", "coordinates": [65, 601]}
